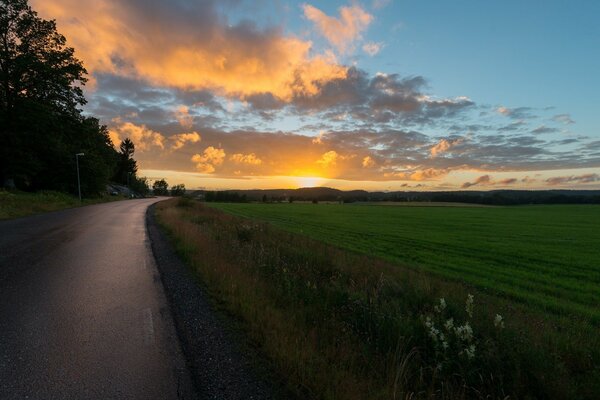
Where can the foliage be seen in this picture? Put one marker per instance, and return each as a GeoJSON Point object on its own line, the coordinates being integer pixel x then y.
{"type": "Point", "coordinates": [178, 190]}
{"type": "Point", "coordinates": [341, 325]}
{"type": "Point", "coordinates": [160, 188]}
{"type": "Point", "coordinates": [126, 168]}
{"type": "Point", "coordinates": [140, 185]}
{"type": "Point", "coordinates": [41, 126]}
{"type": "Point", "coordinates": [225, 196]}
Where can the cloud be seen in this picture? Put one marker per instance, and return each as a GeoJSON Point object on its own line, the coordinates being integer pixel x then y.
{"type": "Point", "coordinates": [513, 126]}
{"type": "Point", "coordinates": [249, 159]}
{"type": "Point", "coordinates": [543, 129]}
{"type": "Point", "coordinates": [179, 140]}
{"type": "Point", "coordinates": [368, 162]}
{"type": "Point", "coordinates": [563, 118]}
{"type": "Point", "coordinates": [329, 159]}
{"type": "Point", "coordinates": [142, 137]}
{"type": "Point", "coordinates": [443, 146]}
{"type": "Point", "coordinates": [191, 46]}
{"type": "Point", "coordinates": [343, 31]}
{"type": "Point", "coordinates": [507, 181]}
{"type": "Point", "coordinates": [183, 116]}
{"type": "Point", "coordinates": [486, 180]}
{"type": "Point", "coordinates": [372, 48]}
{"type": "Point", "coordinates": [379, 4]}
{"type": "Point", "coordinates": [561, 180]}
{"type": "Point", "coordinates": [516, 113]}
{"type": "Point", "coordinates": [379, 99]}
{"type": "Point", "coordinates": [418, 174]}
{"type": "Point", "coordinates": [482, 180]}
{"type": "Point", "coordinates": [210, 158]}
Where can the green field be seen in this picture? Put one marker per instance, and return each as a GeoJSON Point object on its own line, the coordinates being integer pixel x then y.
{"type": "Point", "coordinates": [547, 257]}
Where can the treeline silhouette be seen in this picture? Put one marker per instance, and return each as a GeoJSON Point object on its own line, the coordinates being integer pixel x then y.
{"type": "Point", "coordinates": [225, 197]}
{"type": "Point", "coordinates": [41, 124]}
{"type": "Point", "coordinates": [323, 194]}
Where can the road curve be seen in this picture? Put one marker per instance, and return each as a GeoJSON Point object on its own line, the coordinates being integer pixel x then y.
{"type": "Point", "coordinates": [83, 314]}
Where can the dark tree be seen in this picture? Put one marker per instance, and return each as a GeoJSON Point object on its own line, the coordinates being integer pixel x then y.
{"type": "Point", "coordinates": [140, 185]}
{"type": "Point", "coordinates": [160, 188]}
{"type": "Point", "coordinates": [41, 127]}
{"type": "Point", "coordinates": [126, 165]}
{"type": "Point", "coordinates": [178, 190]}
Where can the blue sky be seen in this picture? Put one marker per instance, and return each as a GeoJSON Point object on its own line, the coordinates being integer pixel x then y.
{"type": "Point", "coordinates": [379, 94]}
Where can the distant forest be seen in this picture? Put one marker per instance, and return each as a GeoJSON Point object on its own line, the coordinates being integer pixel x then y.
{"type": "Point", "coordinates": [494, 197]}
{"type": "Point", "coordinates": [42, 127]}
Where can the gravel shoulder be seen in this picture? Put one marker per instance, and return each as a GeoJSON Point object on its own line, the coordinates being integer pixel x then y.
{"type": "Point", "coordinates": [222, 362]}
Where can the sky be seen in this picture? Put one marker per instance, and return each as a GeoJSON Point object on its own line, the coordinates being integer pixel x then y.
{"type": "Point", "coordinates": [375, 95]}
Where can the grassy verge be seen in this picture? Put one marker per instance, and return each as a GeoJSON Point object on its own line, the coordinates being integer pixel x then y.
{"type": "Point", "coordinates": [15, 204]}
{"type": "Point", "coordinates": [344, 326]}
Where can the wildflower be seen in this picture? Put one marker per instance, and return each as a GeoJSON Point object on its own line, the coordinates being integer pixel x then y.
{"type": "Point", "coordinates": [428, 322]}
{"type": "Point", "coordinates": [469, 305]}
{"type": "Point", "coordinates": [499, 321]}
{"type": "Point", "coordinates": [449, 324]}
{"type": "Point", "coordinates": [464, 333]}
{"type": "Point", "coordinates": [441, 307]}
{"type": "Point", "coordinates": [470, 351]}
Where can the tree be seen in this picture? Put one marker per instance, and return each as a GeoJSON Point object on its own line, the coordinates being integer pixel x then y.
{"type": "Point", "coordinates": [35, 62]}
{"type": "Point", "coordinates": [178, 190]}
{"type": "Point", "coordinates": [41, 127]}
{"type": "Point", "coordinates": [126, 165]}
{"type": "Point", "coordinates": [160, 188]}
{"type": "Point", "coordinates": [140, 185]}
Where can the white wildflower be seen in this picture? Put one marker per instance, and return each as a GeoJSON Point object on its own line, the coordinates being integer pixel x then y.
{"type": "Point", "coordinates": [469, 305]}
{"type": "Point", "coordinates": [441, 307]}
{"type": "Point", "coordinates": [465, 332]}
{"type": "Point", "coordinates": [470, 351]}
{"type": "Point", "coordinates": [499, 321]}
{"type": "Point", "coordinates": [449, 324]}
{"type": "Point", "coordinates": [428, 322]}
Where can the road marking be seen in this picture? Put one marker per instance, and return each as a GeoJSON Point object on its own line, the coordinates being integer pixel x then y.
{"type": "Point", "coordinates": [148, 327]}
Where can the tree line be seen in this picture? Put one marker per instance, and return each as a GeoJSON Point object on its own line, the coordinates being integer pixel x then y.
{"type": "Point", "coordinates": [42, 126]}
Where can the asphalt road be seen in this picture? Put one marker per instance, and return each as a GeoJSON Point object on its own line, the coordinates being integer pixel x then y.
{"type": "Point", "coordinates": [83, 314]}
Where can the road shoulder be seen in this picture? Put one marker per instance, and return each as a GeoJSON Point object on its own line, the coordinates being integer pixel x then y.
{"type": "Point", "coordinates": [223, 365]}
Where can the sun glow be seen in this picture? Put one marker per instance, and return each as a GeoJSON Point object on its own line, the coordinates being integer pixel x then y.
{"type": "Point", "coordinates": [308, 181]}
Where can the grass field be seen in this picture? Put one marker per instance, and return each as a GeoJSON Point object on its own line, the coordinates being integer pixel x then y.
{"type": "Point", "coordinates": [547, 257]}
{"type": "Point", "coordinates": [370, 302]}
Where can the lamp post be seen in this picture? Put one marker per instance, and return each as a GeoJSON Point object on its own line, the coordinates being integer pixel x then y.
{"type": "Point", "coordinates": [78, 181]}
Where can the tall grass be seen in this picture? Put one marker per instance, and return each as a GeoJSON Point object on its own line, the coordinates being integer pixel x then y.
{"type": "Point", "coordinates": [339, 325]}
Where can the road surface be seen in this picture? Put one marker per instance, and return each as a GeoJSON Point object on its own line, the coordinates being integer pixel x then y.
{"type": "Point", "coordinates": [83, 314]}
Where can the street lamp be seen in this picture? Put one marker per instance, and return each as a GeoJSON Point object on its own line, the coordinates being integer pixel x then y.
{"type": "Point", "coordinates": [78, 181]}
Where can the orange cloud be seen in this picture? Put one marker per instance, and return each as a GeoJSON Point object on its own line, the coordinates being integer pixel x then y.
{"type": "Point", "coordinates": [249, 159]}
{"type": "Point", "coordinates": [443, 146]}
{"type": "Point", "coordinates": [210, 158]}
{"type": "Point", "coordinates": [182, 114]}
{"type": "Point", "coordinates": [142, 137]}
{"type": "Point", "coordinates": [181, 139]}
{"type": "Point", "coordinates": [424, 174]}
{"type": "Point", "coordinates": [368, 162]}
{"type": "Point", "coordinates": [189, 49]}
{"type": "Point", "coordinates": [343, 31]}
{"type": "Point", "coordinates": [329, 159]}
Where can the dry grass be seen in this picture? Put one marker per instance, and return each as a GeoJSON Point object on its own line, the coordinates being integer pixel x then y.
{"type": "Point", "coordinates": [342, 326]}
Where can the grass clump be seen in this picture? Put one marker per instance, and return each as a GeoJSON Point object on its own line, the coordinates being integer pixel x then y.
{"type": "Point", "coordinates": [340, 325]}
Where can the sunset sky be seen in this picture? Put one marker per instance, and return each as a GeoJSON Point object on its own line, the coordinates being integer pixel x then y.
{"type": "Point", "coordinates": [376, 95]}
